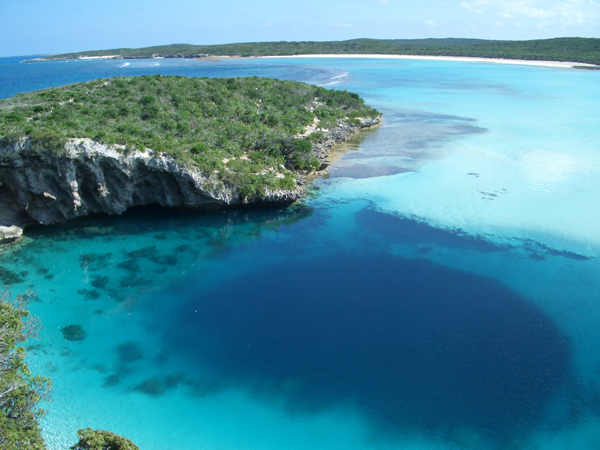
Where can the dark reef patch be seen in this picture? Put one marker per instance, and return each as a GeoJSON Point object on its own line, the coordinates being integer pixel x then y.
{"type": "Point", "coordinates": [8, 277]}
{"type": "Point", "coordinates": [95, 261]}
{"type": "Point", "coordinates": [129, 352]}
{"type": "Point", "coordinates": [166, 260]}
{"type": "Point", "coordinates": [119, 373]}
{"type": "Point", "coordinates": [412, 342]}
{"type": "Point", "coordinates": [99, 281]}
{"type": "Point", "coordinates": [89, 294]}
{"type": "Point", "coordinates": [73, 332]}
{"type": "Point", "coordinates": [154, 387]}
{"type": "Point", "coordinates": [40, 270]}
{"type": "Point", "coordinates": [130, 265]}
{"type": "Point", "coordinates": [145, 252]}
{"type": "Point", "coordinates": [112, 380]}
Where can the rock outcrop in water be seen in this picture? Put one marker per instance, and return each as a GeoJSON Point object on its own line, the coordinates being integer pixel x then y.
{"type": "Point", "coordinates": [43, 187]}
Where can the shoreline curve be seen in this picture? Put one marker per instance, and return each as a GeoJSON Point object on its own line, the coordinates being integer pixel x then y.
{"type": "Point", "coordinates": [523, 62]}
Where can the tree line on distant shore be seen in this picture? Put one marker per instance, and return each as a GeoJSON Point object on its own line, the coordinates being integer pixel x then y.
{"type": "Point", "coordinates": [583, 50]}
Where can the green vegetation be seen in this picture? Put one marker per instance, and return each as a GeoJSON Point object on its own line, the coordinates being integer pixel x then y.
{"type": "Point", "coordinates": [102, 440]}
{"type": "Point", "coordinates": [242, 130]}
{"type": "Point", "coordinates": [583, 50]}
{"type": "Point", "coordinates": [20, 391]}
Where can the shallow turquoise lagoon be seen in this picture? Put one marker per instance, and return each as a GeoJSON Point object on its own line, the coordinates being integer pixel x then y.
{"type": "Point", "coordinates": [439, 290]}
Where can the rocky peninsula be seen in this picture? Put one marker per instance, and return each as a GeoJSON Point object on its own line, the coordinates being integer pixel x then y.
{"type": "Point", "coordinates": [109, 145]}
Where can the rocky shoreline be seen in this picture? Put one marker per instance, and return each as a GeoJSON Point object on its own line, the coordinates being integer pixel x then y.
{"type": "Point", "coordinates": [39, 186]}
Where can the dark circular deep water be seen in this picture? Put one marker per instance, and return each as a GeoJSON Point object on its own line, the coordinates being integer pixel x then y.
{"type": "Point", "coordinates": [410, 341]}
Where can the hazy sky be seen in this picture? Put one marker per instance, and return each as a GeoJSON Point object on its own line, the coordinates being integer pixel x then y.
{"type": "Point", "coordinates": [58, 26]}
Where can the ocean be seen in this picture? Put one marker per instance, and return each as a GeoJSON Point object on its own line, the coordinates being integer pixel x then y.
{"type": "Point", "coordinates": [439, 289]}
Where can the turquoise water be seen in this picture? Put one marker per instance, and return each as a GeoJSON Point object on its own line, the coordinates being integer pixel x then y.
{"type": "Point", "coordinates": [439, 290]}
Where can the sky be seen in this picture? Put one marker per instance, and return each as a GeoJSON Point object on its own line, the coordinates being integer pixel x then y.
{"type": "Point", "coordinates": [33, 27]}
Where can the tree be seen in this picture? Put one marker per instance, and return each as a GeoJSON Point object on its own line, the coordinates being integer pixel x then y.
{"type": "Point", "coordinates": [102, 440]}
{"type": "Point", "coordinates": [20, 391]}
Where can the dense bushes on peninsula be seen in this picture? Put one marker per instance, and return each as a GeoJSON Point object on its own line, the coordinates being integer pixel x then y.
{"type": "Point", "coordinates": [247, 131]}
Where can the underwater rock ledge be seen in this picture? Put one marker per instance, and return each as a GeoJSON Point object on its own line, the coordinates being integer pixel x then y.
{"type": "Point", "coordinates": [40, 186]}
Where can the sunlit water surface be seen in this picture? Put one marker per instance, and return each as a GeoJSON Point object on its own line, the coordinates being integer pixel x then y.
{"type": "Point", "coordinates": [439, 290]}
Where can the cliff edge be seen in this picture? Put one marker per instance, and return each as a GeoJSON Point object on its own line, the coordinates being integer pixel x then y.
{"type": "Point", "coordinates": [41, 186]}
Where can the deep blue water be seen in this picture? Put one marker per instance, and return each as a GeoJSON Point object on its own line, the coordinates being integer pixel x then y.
{"type": "Point", "coordinates": [17, 76]}
{"type": "Point", "coordinates": [425, 296]}
{"type": "Point", "coordinates": [412, 342]}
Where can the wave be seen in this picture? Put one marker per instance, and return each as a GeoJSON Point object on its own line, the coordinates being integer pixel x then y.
{"type": "Point", "coordinates": [329, 84]}
{"type": "Point", "coordinates": [337, 79]}
{"type": "Point", "coordinates": [340, 76]}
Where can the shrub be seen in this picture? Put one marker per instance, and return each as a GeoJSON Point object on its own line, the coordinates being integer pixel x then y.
{"type": "Point", "coordinates": [13, 117]}
{"type": "Point", "coordinates": [48, 139]}
{"type": "Point", "coordinates": [316, 136]}
{"type": "Point", "coordinates": [102, 440]}
{"type": "Point", "coordinates": [199, 148]}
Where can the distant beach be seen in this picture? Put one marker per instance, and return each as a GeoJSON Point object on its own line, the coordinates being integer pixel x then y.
{"type": "Point", "coordinates": [100, 57]}
{"type": "Point", "coordinates": [523, 62]}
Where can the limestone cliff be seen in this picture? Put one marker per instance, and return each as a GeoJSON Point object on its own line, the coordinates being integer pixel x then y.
{"type": "Point", "coordinates": [43, 187]}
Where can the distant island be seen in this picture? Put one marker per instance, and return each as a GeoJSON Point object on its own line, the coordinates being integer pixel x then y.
{"type": "Point", "coordinates": [580, 50]}
{"type": "Point", "coordinates": [110, 144]}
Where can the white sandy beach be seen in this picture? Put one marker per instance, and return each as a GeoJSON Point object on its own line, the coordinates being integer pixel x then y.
{"type": "Point", "coordinates": [559, 64]}
{"type": "Point", "coordinates": [100, 57]}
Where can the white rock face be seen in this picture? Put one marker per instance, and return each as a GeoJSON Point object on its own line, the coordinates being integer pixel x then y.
{"type": "Point", "coordinates": [90, 178]}
{"type": "Point", "coordinates": [9, 234]}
